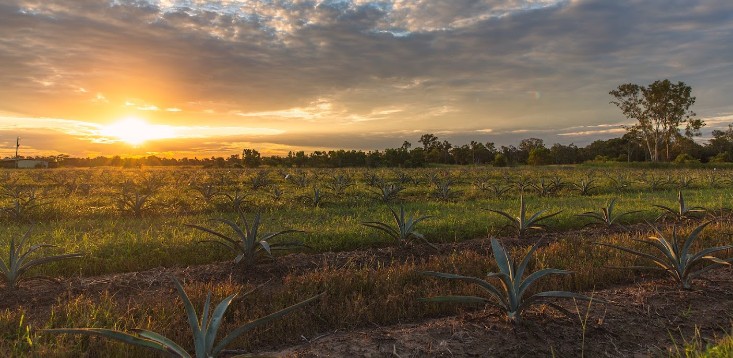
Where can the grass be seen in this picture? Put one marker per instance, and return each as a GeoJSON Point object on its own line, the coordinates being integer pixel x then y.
{"type": "Point", "coordinates": [357, 295]}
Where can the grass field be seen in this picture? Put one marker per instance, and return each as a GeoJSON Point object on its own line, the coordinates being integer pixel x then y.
{"type": "Point", "coordinates": [131, 227]}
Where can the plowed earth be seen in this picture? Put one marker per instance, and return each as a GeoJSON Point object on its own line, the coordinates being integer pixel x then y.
{"type": "Point", "coordinates": [651, 317]}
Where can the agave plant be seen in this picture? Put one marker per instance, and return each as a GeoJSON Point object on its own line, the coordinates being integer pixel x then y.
{"type": "Point", "coordinates": [373, 180]}
{"type": "Point", "coordinates": [388, 192]}
{"type": "Point", "coordinates": [557, 182]}
{"type": "Point", "coordinates": [521, 223]}
{"type": "Point", "coordinates": [685, 182]}
{"type": "Point", "coordinates": [655, 183]}
{"type": "Point", "coordinates": [135, 198]}
{"type": "Point", "coordinates": [340, 183]}
{"type": "Point", "coordinates": [204, 329]}
{"type": "Point", "coordinates": [23, 201]}
{"type": "Point", "coordinates": [260, 180]}
{"type": "Point", "coordinates": [682, 211]}
{"type": "Point", "coordinates": [405, 231]}
{"type": "Point", "coordinates": [299, 179]}
{"type": "Point", "coordinates": [235, 200]}
{"type": "Point", "coordinates": [510, 294]}
{"type": "Point", "coordinates": [498, 189]}
{"type": "Point", "coordinates": [606, 215]}
{"type": "Point", "coordinates": [247, 243]}
{"type": "Point", "coordinates": [620, 183]}
{"type": "Point", "coordinates": [676, 258]}
{"type": "Point", "coordinates": [207, 190]}
{"type": "Point", "coordinates": [19, 260]}
{"type": "Point", "coordinates": [585, 187]}
{"type": "Point", "coordinates": [522, 182]}
{"type": "Point", "coordinates": [443, 190]}
{"type": "Point", "coordinates": [316, 199]}
{"type": "Point", "coordinates": [544, 188]}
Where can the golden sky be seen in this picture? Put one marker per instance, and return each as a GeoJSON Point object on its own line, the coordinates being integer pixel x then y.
{"type": "Point", "coordinates": [202, 78]}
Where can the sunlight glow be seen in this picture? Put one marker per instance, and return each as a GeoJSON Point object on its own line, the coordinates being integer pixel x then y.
{"type": "Point", "coordinates": [136, 131]}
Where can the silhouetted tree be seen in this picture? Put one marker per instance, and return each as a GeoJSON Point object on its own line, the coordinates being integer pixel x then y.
{"type": "Point", "coordinates": [660, 109]}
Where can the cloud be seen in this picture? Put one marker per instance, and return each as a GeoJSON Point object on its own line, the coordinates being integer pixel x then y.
{"type": "Point", "coordinates": [355, 66]}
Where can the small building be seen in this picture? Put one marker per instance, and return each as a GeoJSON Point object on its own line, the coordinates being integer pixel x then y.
{"type": "Point", "coordinates": [23, 163]}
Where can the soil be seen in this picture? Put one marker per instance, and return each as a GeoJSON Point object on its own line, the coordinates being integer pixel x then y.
{"type": "Point", "coordinates": [653, 318]}
{"type": "Point", "coordinates": [640, 319]}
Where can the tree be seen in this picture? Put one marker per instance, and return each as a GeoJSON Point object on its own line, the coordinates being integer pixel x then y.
{"type": "Point", "coordinates": [251, 158]}
{"type": "Point", "coordinates": [429, 141]}
{"type": "Point", "coordinates": [660, 109]}
{"type": "Point", "coordinates": [539, 156]}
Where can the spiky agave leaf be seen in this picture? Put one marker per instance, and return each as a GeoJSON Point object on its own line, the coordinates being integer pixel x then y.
{"type": "Point", "coordinates": [404, 229]}
{"type": "Point", "coordinates": [19, 261]}
{"type": "Point", "coordinates": [140, 341]}
{"type": "Point", "coordinates": [509, 295]}
{"type": "Point", "coordinates": [682, 211]}
{"type": "Point", "coordinates": [520, 223]}
{"type": "Point", "coordinates": [675, 257]}
{"type": "Point", "coordinates": [606, 215]}
{"type": "Point", "coordinates": [248, 241]}
{"type": "Point", "coordinates": [204, 330]}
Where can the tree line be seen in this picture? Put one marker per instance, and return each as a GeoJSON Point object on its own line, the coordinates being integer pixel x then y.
{"type": "Point", "coordinates": [664, 129]}
{"type": "Point", "coordinates": [431, 150]}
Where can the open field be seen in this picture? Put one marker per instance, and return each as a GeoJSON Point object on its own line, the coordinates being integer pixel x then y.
{"type": "Point", "coordinates": [131, 227]}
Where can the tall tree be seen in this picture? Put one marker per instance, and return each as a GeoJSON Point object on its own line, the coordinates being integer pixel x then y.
{"type": "Point", "coordinates": [429, 141]}
{"type": "Point", "coordinates": [660, 110]}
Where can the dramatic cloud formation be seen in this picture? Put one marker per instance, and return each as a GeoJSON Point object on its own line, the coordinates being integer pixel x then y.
{"type": "Point", "coordinates": [311, 74]}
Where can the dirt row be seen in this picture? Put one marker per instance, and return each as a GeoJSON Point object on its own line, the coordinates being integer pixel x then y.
{"type": "Point", "coordinates": [640, 319]}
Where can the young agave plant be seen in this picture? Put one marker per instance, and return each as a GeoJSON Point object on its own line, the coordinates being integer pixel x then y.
{"type": "Point", "coordinates": [404, 232]}
{"type": "Point", "coordinates": [521, 224]}
{"type": "Point", "coordinates": [498, 190]}
{"type": "Point", "coordinates": [543, 188]}
{"type": "Point", "coordinates": [510, 294]}
{"type": "Point", "coordinates": [236, 200]}
{"type": "Point", "coordinates": [606, 216]}
{"type": "Point", "coordinates": [316, 199]}
{"type": "Point", "coordinates": [388, 192]}
{"type": "Point", "coordinates": [204, 329]}
{"type": "Point", "coordinates": [676, 257]}
{"type": "Point", "coordinates": [23, 202]}
{"type": "Point", "coordinates": [444, 191]}
{"type": "Point", "coordinates": [682, 212]}
{"type": "Point", "coordinates": [19, 261]}
{"type": "Point", "coordinates": [585, 187]}
{"type": "Point", "coordinates": [247, 243]}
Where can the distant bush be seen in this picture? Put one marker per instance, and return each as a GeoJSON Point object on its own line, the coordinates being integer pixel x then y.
{"type": "Point", "coordinates": [685, 158]}
{"type": "Point", "coordinates": [500, 160]}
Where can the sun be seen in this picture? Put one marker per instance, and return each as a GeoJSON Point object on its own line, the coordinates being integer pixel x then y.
{"type": "Point", "coordinates": [135, 131]}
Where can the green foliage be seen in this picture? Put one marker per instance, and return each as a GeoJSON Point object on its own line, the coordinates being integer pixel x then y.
{"type": "Point", "coordinates": [659, 109]}
{"type": "Point", "coordinates": [444, 190]}
{"type": "Point", "coordinates": [404, 232]}
{"type": "Point", "coordinates": [585, 186]}
{"type": "Point", "coordinates": [682, 212]}
{"type": "Point", "coordinates": [248, 242]}
{"type": "Point", "coordinates": [135, 198]}
{"type": "Point", "coordinates": [389, 192]}
{"type": "Point", "coordinates": [510, 294]}
{"type": "Point", "coordinates": [675, 256]}
{"type": "Point", "coordinates": [606, 215]}
{"type": "Point", "coordinates": [339, 184]}
{"type": "Point", "coordinates": [204, 329]}
{"type": "Point", "coordinates": [523, 224]}
{"type": "Point", "coordinates": [500, 160]}
{"type": "Point", "coordinates": [539, 156]}
{"type": "Point", "coordinates": [23, 201]}
{"type": "Point", "coordinates": [19, 260]}
{"type": "Point", "coordinates": [684, 158]}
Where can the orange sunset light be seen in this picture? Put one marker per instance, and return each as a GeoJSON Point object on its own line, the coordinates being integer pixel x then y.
{"type": "Point", "coordinates": [136, 131]}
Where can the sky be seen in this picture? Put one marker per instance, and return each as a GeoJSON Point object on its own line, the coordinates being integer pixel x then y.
{"type": "Point", "coordinates": [203, 78]}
